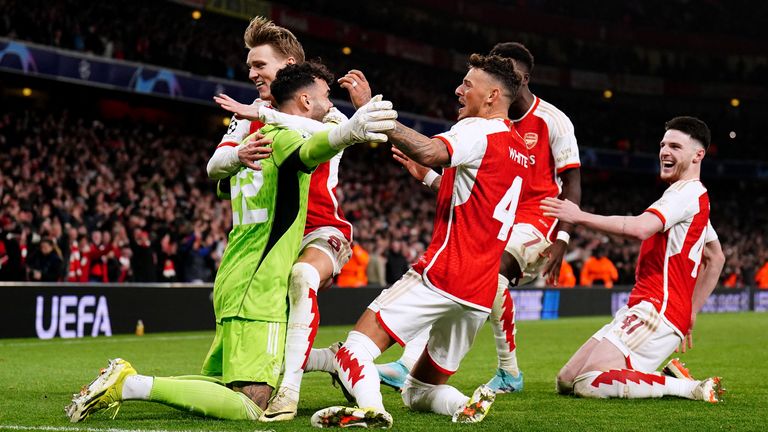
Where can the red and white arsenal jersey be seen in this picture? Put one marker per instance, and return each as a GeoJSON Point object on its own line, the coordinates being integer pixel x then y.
{"type": "Point", "coordinates": [551, 143]}
{"type": "Point", "coordinates": [475, 212]}
{"type": "Point", "coordinates": [238, 130]}
{"type": "Point", "coordinates": [669, 260]}
{"type": "Point", "coordinates": [323, 208]}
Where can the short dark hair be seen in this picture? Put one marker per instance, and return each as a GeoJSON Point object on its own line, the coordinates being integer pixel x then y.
{"type": "Point", "coordinates": [500, 68]}
{"type": "Point", "coordinates": [692, 126]}
{"type": "Point", "coordinates": [294, 77]}
{"type": "Point", "coordinates": [515, 51]}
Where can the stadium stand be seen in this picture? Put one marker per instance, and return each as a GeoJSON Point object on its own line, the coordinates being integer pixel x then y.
{"type": "Point", "coordinates": [130, 198]}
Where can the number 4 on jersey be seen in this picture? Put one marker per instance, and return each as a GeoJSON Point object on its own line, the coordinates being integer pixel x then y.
{"type": "Point", "coordinates": [507, 208]}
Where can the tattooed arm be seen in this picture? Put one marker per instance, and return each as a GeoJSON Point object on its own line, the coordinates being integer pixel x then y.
{"type": "Point", "coordinates": [431, 152]}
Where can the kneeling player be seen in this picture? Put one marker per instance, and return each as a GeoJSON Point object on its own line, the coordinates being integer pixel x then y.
{"type": "Point", "coordinates": [678, 267]}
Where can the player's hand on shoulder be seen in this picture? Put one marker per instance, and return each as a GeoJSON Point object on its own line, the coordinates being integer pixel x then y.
{"type": "Point", "coordinates": [368, 124]}
{"type": "Point", "coordinates": [250, 112]}
{"type": "Point", "coordinates": [253, 151]}
{"type": "Point", "coordinates": [358, 87]}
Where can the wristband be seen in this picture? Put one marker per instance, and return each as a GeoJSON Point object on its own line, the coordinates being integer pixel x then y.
{"type": "Point", "coordinates": [430, 178]}
{"type": "Point", "coordinates": [564, 236]}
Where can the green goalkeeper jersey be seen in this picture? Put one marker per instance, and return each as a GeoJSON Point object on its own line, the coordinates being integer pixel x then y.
{"type": "Point", "coordinates": [269, 209]}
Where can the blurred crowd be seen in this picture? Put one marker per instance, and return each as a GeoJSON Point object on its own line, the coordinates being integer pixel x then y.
{"type": "Point", "coordinates": [90, 200]}
{"type": "Point", "coordinates": [164, 33]}
{"type": "Point", "coordinates": [87, 201]}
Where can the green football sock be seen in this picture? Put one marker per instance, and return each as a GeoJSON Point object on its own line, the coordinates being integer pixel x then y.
{"type": "Point", "coordinates": [204, 398]}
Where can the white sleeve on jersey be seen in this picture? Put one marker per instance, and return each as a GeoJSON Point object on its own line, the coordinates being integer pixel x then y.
{"type": "Point", "coordinates": [224, 162]}
{"type": "Point", "coordinates": [711, 233]}
{"type": "Point", "coordinates": [679, 203]}
{"type": "Point", "coordinates": [562, 142]}
{"type": "Point", "coordinates": [467, 139]}
{"type": "Point", "coordinates": [236, 132]}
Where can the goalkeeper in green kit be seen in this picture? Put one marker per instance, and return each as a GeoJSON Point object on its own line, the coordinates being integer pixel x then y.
{"type": "Point", "coordinates": [250, 292]}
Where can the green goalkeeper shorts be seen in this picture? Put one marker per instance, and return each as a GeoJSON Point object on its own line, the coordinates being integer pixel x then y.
{"type": "Point", "coordinates": [246, 351]}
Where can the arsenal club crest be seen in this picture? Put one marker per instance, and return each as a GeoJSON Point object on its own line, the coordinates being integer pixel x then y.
{"type": "Point", "coordinates": [530, 138]}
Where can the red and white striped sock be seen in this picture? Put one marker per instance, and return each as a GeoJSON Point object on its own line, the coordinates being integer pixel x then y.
{"type": "Point", "coordinates": [354, 364]}
{"type": "Point", "coordinates": [502, 321]}
{"type": "Point", "coordinates": [630, 384]}
{"type": "Point", "coordinates": [303, 319]}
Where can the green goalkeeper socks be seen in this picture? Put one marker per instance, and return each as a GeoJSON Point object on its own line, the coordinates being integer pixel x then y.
{"type": "Point", "coordinates": [204, 397]}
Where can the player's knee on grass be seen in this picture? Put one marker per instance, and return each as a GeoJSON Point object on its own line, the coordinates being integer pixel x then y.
{"type": "Point", "coordinates": [562, 386]}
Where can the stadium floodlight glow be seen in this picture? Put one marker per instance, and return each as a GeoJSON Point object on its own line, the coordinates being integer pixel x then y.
{"type": "Point", "coordinates": [735, 102]}
{"type": "Point", "coordinates": [346, 50]}
{"type": "Point", "coordinates": [196, 14]}
{"type": "Point", "coordinates": [607, 94]}
{"type": "Point", "coordinates": [225, 121]}
{"type": "Point", "coordinates": [26, 91]}
{"type": "Point", "coordinates": [732, 135]}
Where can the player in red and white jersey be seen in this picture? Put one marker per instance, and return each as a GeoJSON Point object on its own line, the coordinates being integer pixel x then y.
{"type": "Point", "coordinates": [327, 236]}
{"type": "Point", "coordinates": [452, 286]}
{"type": "Point", "coordinates": [678, 267]}
{"type": "Point", "coordinates": [538, 243]}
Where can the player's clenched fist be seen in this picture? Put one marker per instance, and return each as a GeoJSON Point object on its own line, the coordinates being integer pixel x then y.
{"type": "Point", "coordinates": [368, 124]}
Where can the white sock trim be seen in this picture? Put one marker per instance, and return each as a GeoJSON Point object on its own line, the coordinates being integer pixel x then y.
{"type": "Point", "coordinates": [137, 387]}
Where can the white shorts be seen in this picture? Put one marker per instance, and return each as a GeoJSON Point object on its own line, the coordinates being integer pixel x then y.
{"type": "Point", "coordinates": [331, 242]}
{"type": "Point", "coordinates": [408, 307]}
{"type": "Point", "coordinates": [639, 332]}
{"type": "Point", "coordinates": [526, 245]}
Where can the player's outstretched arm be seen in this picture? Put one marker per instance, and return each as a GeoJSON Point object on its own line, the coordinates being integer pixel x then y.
{"type": "Point", "coordinates": [636, 227]}
{"type": "Point", "coordinates": [368, 124]}
{"type": "Point", "coordinates": [426, 151]}
{"type": "Point", "coordinates": [241, 111]}
{"type": "Point", "coordinates": [419, 172]}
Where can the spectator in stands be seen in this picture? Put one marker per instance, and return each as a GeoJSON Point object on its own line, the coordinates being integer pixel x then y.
{"type": "Point", "coordinates": [598, 268]}
{"type": "Point", "coordinates": [761, 277]}
{"type": "Point", "coordinates": [144, 259]}
{"type": "Point", "coordinates": [567, 278]}
{"type": "Point", "coordinates": [377, 265]}
{"type": "Point", "coordinates": [397, 263]}
{"type": "Point", "coordinates": [45, 262]}
{"type": "Point", "coordinates": [354, 273]}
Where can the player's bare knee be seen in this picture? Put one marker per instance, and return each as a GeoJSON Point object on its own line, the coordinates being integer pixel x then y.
{"type": "Point", "coordinates": [563, 385]}
{"type": "Point", "coordinates": [303, 278]}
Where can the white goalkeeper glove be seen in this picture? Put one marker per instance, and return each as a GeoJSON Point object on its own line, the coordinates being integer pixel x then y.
{"type": "Point", "coordinates": [366, 125]}
{"type": "Point", "coordinates": [335, 116]}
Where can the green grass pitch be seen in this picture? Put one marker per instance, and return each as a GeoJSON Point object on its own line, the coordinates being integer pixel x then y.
{"type": "Point", "coordinates": [37, 379]}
